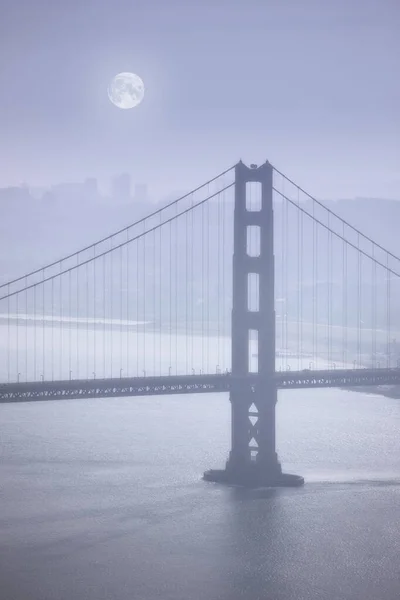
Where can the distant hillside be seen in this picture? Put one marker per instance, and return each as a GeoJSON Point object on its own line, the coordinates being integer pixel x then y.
{"type": "Point", "coordinates": [34, 232]}
{"type": "Point", "coordinates": [38, 233]}
{"type": "Point", "coordinates": [375, 217]}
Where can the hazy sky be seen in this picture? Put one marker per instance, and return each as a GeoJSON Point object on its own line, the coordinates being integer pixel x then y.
{"type": "Point", "coordinates": [312, 85]}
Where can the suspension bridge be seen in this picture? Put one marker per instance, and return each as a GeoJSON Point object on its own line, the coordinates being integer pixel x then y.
{"type": "Point", "coordinates": [247, 285]}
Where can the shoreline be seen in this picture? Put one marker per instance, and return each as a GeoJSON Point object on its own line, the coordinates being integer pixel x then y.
{"type": "Point", "coordinates": [388, 391]}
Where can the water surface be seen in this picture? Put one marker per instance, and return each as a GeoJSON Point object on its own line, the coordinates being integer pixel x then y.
{"type": "Point", "coordinates": [103, 499]}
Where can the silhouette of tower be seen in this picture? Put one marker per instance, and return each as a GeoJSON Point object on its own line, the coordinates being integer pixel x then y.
{"type": "Point", "coordinates": [253, 460]}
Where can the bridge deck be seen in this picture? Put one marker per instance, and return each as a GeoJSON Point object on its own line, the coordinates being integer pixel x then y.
{"type": "Point", "coordinates": [189, 384]}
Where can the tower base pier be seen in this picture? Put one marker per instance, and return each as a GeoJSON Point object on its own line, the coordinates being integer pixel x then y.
{"type": "Point", "coordinates": [253, 475]}
{"type": "Point", "coordinates": [253, 478]}
{"type": "Point", "coordinates": [253, 461]}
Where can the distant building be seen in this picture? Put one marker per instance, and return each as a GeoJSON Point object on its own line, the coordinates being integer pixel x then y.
{"type": "Point", "coordinates": [121, 188]}
{"type": "Point", "coordinates": [81, 194]}
{"type": "Point", "coordinates": [14, 199]}
{"type": "Point", "coordinates": [67, 191]}
{"type": "Point", "coordinates": [15, 192]}
{"type": "Point", "coordinates": [141, 194]}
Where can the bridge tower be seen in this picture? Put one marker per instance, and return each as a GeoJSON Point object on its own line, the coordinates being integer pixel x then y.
{"type": "Point", "coordinates": [253, 460]}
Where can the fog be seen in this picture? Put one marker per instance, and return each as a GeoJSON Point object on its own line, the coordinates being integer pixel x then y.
{"type": "Point", "coordinates": [117, 261]}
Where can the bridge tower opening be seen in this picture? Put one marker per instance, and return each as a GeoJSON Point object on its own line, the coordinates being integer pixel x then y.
{"type": "Point", "coordinates": [253, 461]}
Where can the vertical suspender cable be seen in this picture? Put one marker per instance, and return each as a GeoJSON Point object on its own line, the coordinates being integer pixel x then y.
{"type": "Point", "coordinates": [176, 241]}
{"type": "Point", "coordinates": [373, 309]}
{"type": "Point", "coordinates": [283, 307]}
{"type": "Point", "coordinates": [128, 303]}
{"type": "Point", "coordinates": [60, 345]}
{"type": "Point", "coordinates": [202, 285]}
{"type": "Point", "coordinates": [344, 298]}
{"type": "Point", "coordinates": [111, 320]}
{"type": "Point", "coordinates": [186, 295]}
{"type": "Point", "coordinates": [298, 281]}
{"type": "Point", "coordinates": [144, 300]}
{"type": "Point", "coordinates": [43, 325]}
{"type": "Point", "coordinates": [301, 287]}
{"type": "Point", "coordinates": [138, 328]}
{"type": "Point", "coordinates": [358, 302]}
{"type": "Point", "coordinates": [8, 334]}
{"type": "Point", "coordinates": [224, 259]}
{"type": "Point", "coordinates": [160, 292]}
{"type": "Point", "coordinates": [329, 290]}
{"type": "Point", "coordinates": [104, 315]}
{"type": "Point", "coordinates": [207, 208]}
{"type": "Point", "coordinates": [218, 277]}
{"type": "Point", "coordinates": [154, 301]}
{"type": "Point", "coordinates": [287, 263]}
{"type": "Point", "coordinates": [69, 323]}
{"type": "Point", "coordinates": [77, 317]}
{"type": "Point", "coordinates": [316, 294]}
{"type": "Point", "coordinates": [52, 329]}
{"type": "Point", "coordinates": [26, 330]}
{"type": "Point", "coordinates": [17, 328]}
{"type": "Point", "coordinates": [121, 307]}
{"type": "Point", "coordinates": [388, 340]}
{"type": "Point", "coordinates": [94, 322]}
{"type": "Point", "coordinates": [87, 321]}
{"type": "Point", "coordinates": [170, 297]}
{"type": "Point", "coordinates": [34, 335]}
{"type": "Point", "coordinates": [192, 276]}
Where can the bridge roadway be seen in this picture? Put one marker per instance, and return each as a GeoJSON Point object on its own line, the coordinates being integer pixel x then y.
{"type": "Point", "coordinates": [189, 384]}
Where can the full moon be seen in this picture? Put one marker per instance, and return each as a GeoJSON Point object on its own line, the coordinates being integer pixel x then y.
{"type": "Point", "coordinates": [126, 90]}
